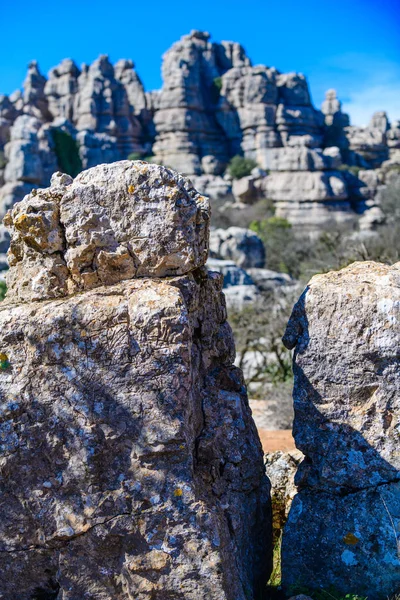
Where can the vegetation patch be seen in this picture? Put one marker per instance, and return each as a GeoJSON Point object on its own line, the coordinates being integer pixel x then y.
{"type": "Point", "coordinates": [216, 88]}
{"type": "Point", "coordinates": [239, 166]}
{"type": "Point", "coordinates": [3, 290]}
{"type": "Point", "coordinates": [67, 152]}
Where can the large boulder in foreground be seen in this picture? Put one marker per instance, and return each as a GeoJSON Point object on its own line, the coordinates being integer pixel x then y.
{"type": "Point", "coordinates": [130, 464]}
{"type": "Point", "coordinates": [343, 525]}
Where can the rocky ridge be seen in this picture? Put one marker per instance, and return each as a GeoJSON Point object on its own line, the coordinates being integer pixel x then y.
{"type": "Point", "coordinates": [131, 466]}
{"type": "Point", "coordinates": [214, 104]}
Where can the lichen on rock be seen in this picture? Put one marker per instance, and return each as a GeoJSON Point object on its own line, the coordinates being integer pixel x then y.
{"type": "Point", "coordinates": [113, 222]}
{"type": "Point", "coordinates": [342, 529]}
{"type": "Point", "coordinates": [130, 464]}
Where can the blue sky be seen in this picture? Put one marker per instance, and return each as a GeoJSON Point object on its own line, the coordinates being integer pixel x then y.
{"type": "Point", "coordinates": [350, 45]}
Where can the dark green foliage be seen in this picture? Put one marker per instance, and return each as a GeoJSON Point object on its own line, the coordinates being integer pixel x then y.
{"type": "Point", "coordinates": [239, 166]}
{"type": "Point", "coordinates": [284, 251]}
{"type": "Point", "coordinates": [2, 160]}
{"type": "Point", "coordinates": [135, 156]}
{"type": "Point", "coordinates": [3, 290]}
{"type": "Point", "coordinates": [354, 170]}
{"type": "Point", "coordinates": [67, 152]}
{"type": "Point", "coordinates": [329, 594]}
{"type": "Point", "coordinates": [215, 91]}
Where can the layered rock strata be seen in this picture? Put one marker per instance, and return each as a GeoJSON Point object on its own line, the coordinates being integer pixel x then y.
{"type": "Point", "coordinates": [342, 530]}
{"type": "Point", "coordinates": [213, 105]}
{"type": "Point", "coordinates": [130, 464]}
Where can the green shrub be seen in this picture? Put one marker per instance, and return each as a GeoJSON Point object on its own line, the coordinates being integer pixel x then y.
{"type": "Point", "coordinates": [216, 89]}
{"type": "Point", "coordinates": [67, 152]}
{"type": "Point", "coordinates": [3, 290]}
{"type": "Point", "coordinates": [135, 156]}
{"type": "Point", "coordinates": [328, 594]}
{"type": "Point", "coordinates": [354, 170]}
{"type": "Point", "coordinates": [284, 253]}
{"type": "Point", "coordinates": [2, 160]}
{"type": "Point", "coordinates": [239, 166]}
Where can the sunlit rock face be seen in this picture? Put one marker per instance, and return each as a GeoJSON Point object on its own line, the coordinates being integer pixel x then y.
{"type": "Point", "coordinates": [213, 105]}
{"type": "Point", "coordinates": [130, 464]}
{"type": "Point", "coordinates": [342, 526]}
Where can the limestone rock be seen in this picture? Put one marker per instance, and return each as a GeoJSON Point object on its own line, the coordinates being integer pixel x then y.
{"type": "Point", "coordinates": [342, 524]}
{"type": "Point", "coordinates": [113, 222]}
{"type": "Point", "coordinates": [186, 129]}
{"type": "Point", "coordinates": [102, 106]}
{"type": "Point", "coordinates": [8, 114]}
{"type": "Point", "coordinates": [60, 89]}
{"type": "Point", "coordinates": [214, 104]}
{"type": "Point", "coordinates": [379, 120]}
{"type": "Point", "coordinates": [233, 275]}
{"type": "Point", "coordinates": [214, 187]}
{"type": "Point", "coordinates": [131, 466]}
{"type": "Point", "coordinates": [335, 121]}
{"type": "Point", "coordinates": [305, 186]}
{"type": "Point", "coordinates": [239, 296]}
{"type": "Point", "coordinates": [267, 280]}
{"type": "Point", "coordinates": [369, 143]}
{"type": "Point", "coordinates": [243, 246]}
{"type": "Point", "coordinates": [281, 468]}
{"type": "Point", "coordinates": [34, 98]}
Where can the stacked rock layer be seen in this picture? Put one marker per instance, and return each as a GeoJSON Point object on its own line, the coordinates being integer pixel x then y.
{"type": "Point", "coordinates": [213, 105]}
{"type": "Point", "coordinates": [130, 464]}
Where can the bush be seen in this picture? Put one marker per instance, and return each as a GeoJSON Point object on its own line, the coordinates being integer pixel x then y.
{"type": "Point", "coordinates": [67, 152]}
{"type": "Point", "coordinates": [301, 256]}
{"type": "Point", "coordinates": [215, 91]}
{"type": "Point", "coordinates": [240, 166]}
{"type": "Point", "coordinates": [135, 156]}
{"type": "Point", "coordinates": [285, 251]}
{"type": "Point", "coordinates": [258, 331]}
{"type": "Point", "coordinates": [354, 170]}
{"type": "Point", "coordinates": [3, 290]}
{"type": "Point", "coordinates": [2, 160]}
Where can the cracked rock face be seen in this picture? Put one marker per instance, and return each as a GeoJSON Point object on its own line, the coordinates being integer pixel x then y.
{"type": "Point", "coordinates": [130, 464]}
{"type": "Point", "coordinates": [343, 526]}
{"type": "Point", "coordinates": [113, 222]}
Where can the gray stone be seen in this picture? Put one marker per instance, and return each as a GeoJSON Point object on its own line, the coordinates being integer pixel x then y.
{"type": "Point", "coordinates": [34, 97]}
{"type": "Point", "coordinates": [267, 280]}
{"type": "Point", "coordinates": [130, 463]}
{"type": "Point", "coordinates": [342, 526]}
{"type": "Point", "coordinates": [113, 222]}
{"type": "Point", "coordinates": [233, 275]}
{"type": "Point", "coordinates": [243, 246]}
{"type": "Point", "coordinates": [60, 89]}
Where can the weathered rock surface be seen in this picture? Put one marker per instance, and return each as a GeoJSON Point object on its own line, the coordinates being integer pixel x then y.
{"type": "Point", "coordinates": [342, 527]}
{"type": "Point", "coordinates": [130, 464]}
{"type": "Point", "coordinates": [281, 468]}
{"type": "Point", "coordinates": [113, 222]}
{"type": "Point", "coordinates": [212, 106]}
{"type": "Point", "coordinates": [243, 246]}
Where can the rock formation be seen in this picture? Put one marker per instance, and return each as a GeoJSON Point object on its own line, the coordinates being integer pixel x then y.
{"type": "Point", "coordinates": [214, 104]}
{"type": "Point", "coordinates": [243, 246]}
{"type": "Point", "coordinates": [343, 525]}
{"type": "Point", "coordinates": [131, 466]}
